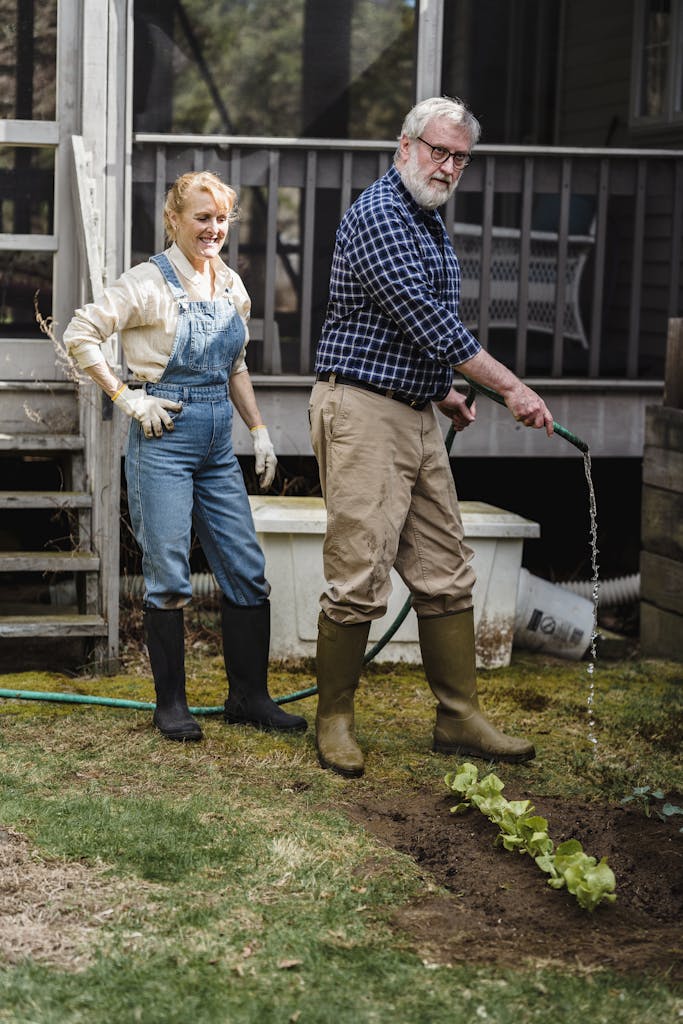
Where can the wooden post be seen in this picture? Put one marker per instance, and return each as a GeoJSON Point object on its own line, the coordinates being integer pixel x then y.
{"type": "Point", "coordinates": [661, 559]}
{"type": "Point", "coordinates": [673, 377]}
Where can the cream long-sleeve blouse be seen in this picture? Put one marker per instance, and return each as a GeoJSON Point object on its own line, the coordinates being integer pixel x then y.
{"type": "Point", "coordinates": [140, 305]}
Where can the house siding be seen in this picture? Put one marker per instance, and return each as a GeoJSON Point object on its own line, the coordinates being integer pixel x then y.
{"type": "Point", "coordinates": [594, 110]}
{"type": "Point", "coordinates": [596, 73]}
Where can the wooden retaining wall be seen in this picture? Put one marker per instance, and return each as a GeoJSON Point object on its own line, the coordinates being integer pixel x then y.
{"type": "Point", "coordinates": [661, 560]}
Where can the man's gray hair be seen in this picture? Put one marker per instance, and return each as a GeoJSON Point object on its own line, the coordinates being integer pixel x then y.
{"type": "Point", "coordinates": [457, 112]}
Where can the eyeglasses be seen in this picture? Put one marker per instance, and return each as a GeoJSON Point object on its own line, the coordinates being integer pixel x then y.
{"type": "Point", "coordinates": [440, 155]}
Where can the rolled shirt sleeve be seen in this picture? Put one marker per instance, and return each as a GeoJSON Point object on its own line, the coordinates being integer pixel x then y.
{"type": "Point", "coordinates": [122, 306]}
{"type": "Point", "coordinates": [140, 305]}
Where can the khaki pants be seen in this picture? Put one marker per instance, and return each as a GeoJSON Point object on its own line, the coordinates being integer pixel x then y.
{"type": "Point", "coordinates": [391, 502]}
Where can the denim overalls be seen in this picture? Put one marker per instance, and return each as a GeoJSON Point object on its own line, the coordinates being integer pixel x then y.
{"type": "Point", "coordinates": [191, 476]}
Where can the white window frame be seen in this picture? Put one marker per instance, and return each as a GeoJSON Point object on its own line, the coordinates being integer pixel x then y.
{"type": "Point", "coordinates": [34, 357]}
{"type": "Point", "coordinates": [672, 115]}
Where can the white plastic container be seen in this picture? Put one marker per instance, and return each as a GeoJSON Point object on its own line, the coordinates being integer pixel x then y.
{"type": "Point", "coordinates": [291, 532]}
{"type": "Point", "coordinates": [551, 618]}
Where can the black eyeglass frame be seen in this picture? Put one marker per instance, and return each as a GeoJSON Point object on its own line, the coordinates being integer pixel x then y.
{"type": "Point", "coordinates": [460, 160]}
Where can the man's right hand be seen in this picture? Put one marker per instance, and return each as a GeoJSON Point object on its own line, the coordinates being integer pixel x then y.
{"type": "Point", "coordinates": [149, 411]}
{"type": "Point", "coordinates": [528, 408]}
{"type": "Point", "coordinates": [525, 405]}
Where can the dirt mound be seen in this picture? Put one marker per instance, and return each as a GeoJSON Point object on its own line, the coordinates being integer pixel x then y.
{"type": "Point", "coordinates": [499, 907]}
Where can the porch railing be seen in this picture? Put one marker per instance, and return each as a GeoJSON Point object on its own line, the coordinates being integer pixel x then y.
{"type": "Point", "coordinates": [571, 258]}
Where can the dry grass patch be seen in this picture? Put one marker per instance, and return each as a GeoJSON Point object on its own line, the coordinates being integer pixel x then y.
{"type": "Point", "coordinates": [55, 912]}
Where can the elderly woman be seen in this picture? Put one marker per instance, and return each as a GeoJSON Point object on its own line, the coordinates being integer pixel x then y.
{"type": "Point", "coordinates": [183, 323]}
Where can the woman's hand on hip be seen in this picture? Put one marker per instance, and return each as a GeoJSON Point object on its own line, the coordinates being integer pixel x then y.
{"type": "Point", "coordinates": [150, 412]}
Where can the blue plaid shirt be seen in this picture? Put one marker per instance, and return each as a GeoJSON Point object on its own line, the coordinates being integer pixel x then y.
{"type": "Point", "coordinates": [392, 316]}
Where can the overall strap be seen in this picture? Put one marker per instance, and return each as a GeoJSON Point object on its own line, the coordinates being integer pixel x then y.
{"type": "Point", "coordinates": [166, 267]}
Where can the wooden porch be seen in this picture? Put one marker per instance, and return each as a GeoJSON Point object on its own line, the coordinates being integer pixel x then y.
{"type": "Point", "coordinates": [571, 264]}
{"type": "Point", "coordinates": [572, 257]}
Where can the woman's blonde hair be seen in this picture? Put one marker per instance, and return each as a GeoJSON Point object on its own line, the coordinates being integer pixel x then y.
{"type": "Point", "coordinates": [223, 196]}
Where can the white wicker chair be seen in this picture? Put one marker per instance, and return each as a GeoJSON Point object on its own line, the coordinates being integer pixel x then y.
{"type": "Point", "coordinates": [503, 307]}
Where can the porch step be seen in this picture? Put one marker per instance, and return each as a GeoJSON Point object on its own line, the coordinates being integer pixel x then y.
{"type": "Point", "coordinates": [46, 502]}
{"type": "Point", "coordinates": [48, 561]}
{"type": "Point", "coordinates": [45, 499]}
{"type": "Point", "coordinates": [37, 626]}
{"type": "Point", "coordinates": [26, 442]}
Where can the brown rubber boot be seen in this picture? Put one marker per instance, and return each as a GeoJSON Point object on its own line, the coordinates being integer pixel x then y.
{"type": "Point", "coordinates": [339, 660]}
{"type": "Point", "coordinates": [448, 656]}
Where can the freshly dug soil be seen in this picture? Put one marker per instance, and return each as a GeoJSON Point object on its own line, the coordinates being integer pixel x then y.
{"type": "Point", "coordinates": [499, 907]}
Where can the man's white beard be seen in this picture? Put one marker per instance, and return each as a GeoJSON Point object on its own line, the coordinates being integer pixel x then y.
{"type": "Point", "coordinates": [425, 193]}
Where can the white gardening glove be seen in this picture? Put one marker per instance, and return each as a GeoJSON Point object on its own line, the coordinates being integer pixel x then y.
{"type": "Point", "coordinates": [266, 461]}
{"type": "Point", "coordinates": [149, 411]}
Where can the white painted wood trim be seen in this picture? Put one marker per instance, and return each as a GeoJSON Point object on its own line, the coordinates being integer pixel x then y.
{"type": "Point", "coordinates": [29, 243]}
{"type": "Point", "coordinates": [430, 31]}
{"type": "Point", "coordinates": [87, 216]}
{"type": "Point", "coordinates": [67, 269]}
{"type": "Point", "coordinates": [29, 133]}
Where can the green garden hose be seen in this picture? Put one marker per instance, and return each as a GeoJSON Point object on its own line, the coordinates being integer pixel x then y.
{"type": "Point", "coordinates": [79, 698]}
{"type": "Point", "coordinates": [557, 427]}
{"type": "Point", "coordinates": [116, 702]}
{"type": "Point", "coordinates": [138, 705]}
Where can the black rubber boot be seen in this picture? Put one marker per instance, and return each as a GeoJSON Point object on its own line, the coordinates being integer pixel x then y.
{"type": "Point", "coordinates": [166, 646]}
{"type": "Point", "coordinates": [246, 645]}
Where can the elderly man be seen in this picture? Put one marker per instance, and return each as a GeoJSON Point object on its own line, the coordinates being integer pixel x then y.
{"type": "Point", "coordinates": [390, 343]}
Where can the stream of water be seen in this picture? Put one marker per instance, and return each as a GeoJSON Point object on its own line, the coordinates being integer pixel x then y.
{"type": "Point", "coordinates": [595, 595]}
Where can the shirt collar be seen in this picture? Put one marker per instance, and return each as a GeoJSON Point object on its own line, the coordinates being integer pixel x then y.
{"type": "Point", "coordinates": [182, 264]}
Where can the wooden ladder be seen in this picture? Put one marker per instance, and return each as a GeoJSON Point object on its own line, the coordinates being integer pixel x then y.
{"type": "Point", "coordinates": [65, 600]}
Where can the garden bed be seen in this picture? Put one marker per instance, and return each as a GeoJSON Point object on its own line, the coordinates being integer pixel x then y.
{"type": "Point", "coordinates": [499, 908]}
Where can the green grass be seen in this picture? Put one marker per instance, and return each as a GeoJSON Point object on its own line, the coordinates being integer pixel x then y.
{"type": "Point", "coordinates": [227, 885]}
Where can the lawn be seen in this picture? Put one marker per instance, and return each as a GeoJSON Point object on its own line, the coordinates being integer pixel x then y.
{"type": "Point", "coordinates": [235, 881]}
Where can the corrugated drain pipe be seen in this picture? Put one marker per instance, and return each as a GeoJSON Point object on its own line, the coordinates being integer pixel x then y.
{"type": "Point", "coordinates": [616, 591]}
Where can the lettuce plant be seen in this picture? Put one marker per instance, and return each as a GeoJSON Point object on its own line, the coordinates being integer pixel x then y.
{"type": "Point", "coordinates": [646, 797]}
{"type": "Point", "coordinates": [522, 831]}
